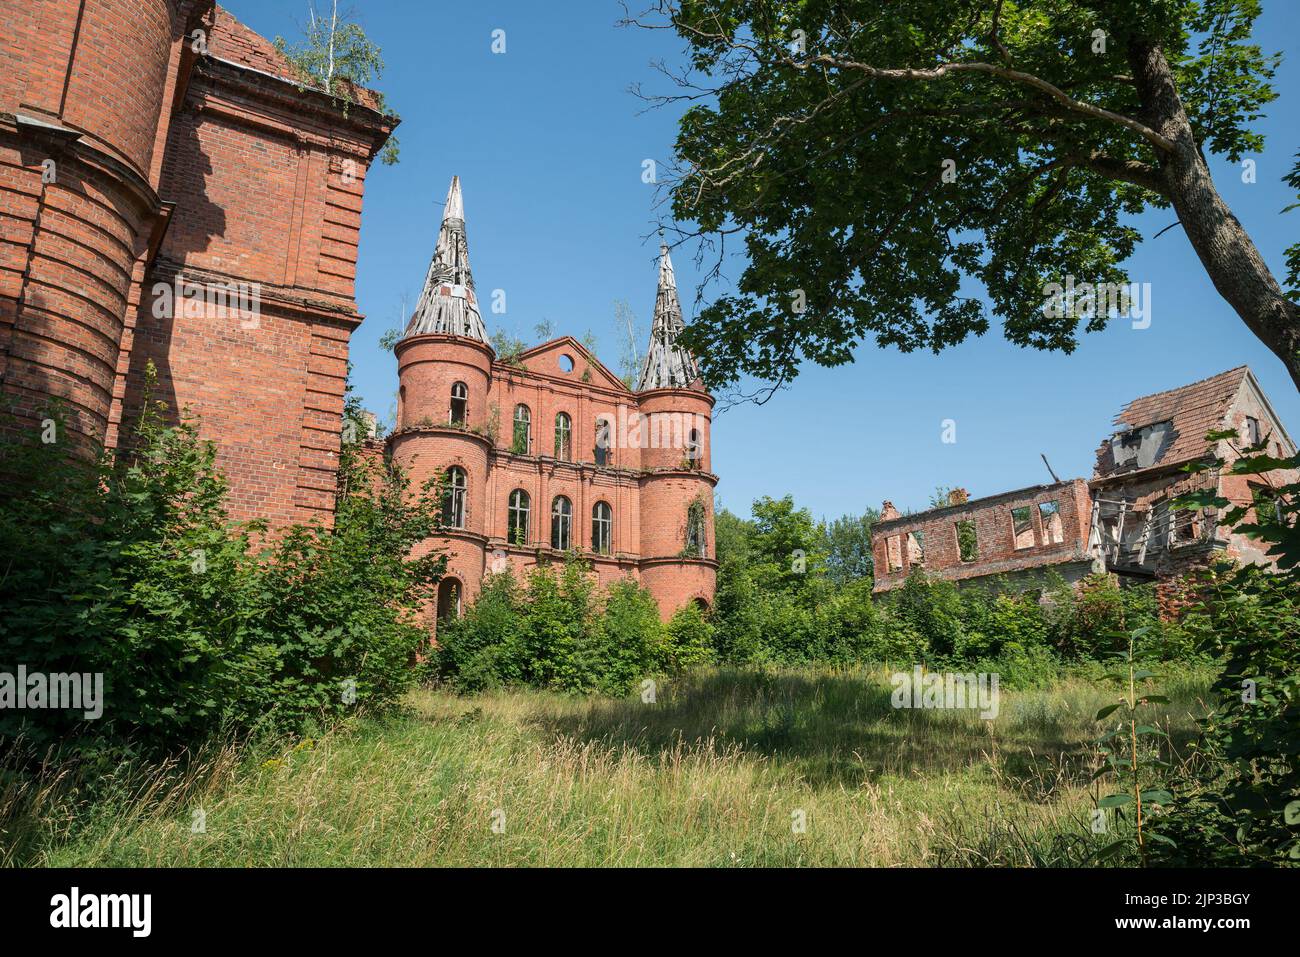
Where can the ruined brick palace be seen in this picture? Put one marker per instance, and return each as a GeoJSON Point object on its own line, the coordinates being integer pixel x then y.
{"type": "Point", "coordinates": [1120, 521]}
{"type": "Point", "coordinates": [547, 452]}
{"type": "Point", "coordinates": [168, 193]}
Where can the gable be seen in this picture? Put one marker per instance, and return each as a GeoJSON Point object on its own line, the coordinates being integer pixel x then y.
{"type": "Point", "coordinates": [1253, 402]}
{"type": "Point", "coordinates": [1169, 427]}
{"type": "Point", "coordinates": [548, 359]}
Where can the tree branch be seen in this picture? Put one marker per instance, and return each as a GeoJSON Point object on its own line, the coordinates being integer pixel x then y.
{"type": "Point", "coordinates": [1016, 76]}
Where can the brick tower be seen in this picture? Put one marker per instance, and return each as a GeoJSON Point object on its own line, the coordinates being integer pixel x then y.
{"type": "Point", "coordinates": [82, 131]}
{"type": "Point", "coordinates": [677, 489]}
{"type": "Point", "coordinates": [547, 452]}
{"type": "Point", "coordinates": [444, 365]}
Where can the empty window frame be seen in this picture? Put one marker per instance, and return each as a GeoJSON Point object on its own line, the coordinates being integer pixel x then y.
{"type": "Point", "coordinates": [602, 442]}
{"type": "Point", "coordinates": [696, 537]}
{"type": "Point", "coordinates": [1252, 431]}
{"type": "Point", "coordinates": [459, 414]}
{"type": "Point", "coordinates": [894, 552]}
{"type": "Point", "coordinates": [563, 437]}
{"type": "Point", "coordinates": [517, 518]}
{"type": "Point", "coordinates": [602, 528]}
{"type": "Point", "coordinates": [967, 540]}
{"type": "Point", "coordinates": [1022, 527]}
{"type": "Point", "coordinates": [916, 548]}
{"type": "Point", "coordinates": [694, 450]}
{"type": "Point", "coordinates": [522, 440]}
{"type": "Point", "coordinates": [1184, 526]}
{"type": "Point", "coordinates": [1053, 528]}
{"type": "Point", "coordinates": [561, 523]}
{"type": "Point", "coordinates": [453, 498]}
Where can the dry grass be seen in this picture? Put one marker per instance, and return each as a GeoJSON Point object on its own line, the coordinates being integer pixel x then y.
{"type": "Point", "coordinates": [714, 774]}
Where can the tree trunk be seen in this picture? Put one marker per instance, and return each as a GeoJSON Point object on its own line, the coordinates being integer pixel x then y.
{"type": "Point", "coordinates": [1233, 263]}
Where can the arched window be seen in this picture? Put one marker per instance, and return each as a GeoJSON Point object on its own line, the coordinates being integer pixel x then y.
{"type": "Point", "coordinates": [453, 498]}
{"type": "Point", "coordinates": [563, 437]}
{"type": "Point", "coordinates": [602, 528]}
{"type": "Point", "coordinates": [602, 441]}
{"type": "Point", "coordinates": [561, 523]}
{"type": "Point", "coordinates": [517, 518]}
{"type": "Point", "coordinates": [459, 404]}
{"type": "Point", "coordinates": [694, 449]}
{"type": "Point", "coordinates": [523, 435]}
{"type": "Point", "coordinates": [448, 599]}
{"type": "Point", "coordinates": [696, 539]}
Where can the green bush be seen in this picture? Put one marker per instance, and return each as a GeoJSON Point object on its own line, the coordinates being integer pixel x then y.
{"type": "Point", "coordinates": [130, 568]}
{"type": "Point", "coordinates": [690, 637]}
{"type": "Point", "coordinates": [557, 631]}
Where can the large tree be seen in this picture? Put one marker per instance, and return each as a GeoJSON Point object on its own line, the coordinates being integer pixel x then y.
{"type": "Point", "coordinates": [878, 158]}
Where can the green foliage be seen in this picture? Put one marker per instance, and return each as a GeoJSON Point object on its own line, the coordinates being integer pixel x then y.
{"type": "Point", "coordinates": [1131, 751]}
{"type": "Point", "coordinates": [131, 569]}
{"type": "Point", "coordinates": [336, 57]}
{"type": "Point", "coordinates": [784, 596]}
{"type": "Point", "coordinates": [690, 638]}
{"type": "Point", "coordinates": [507, 347]}
{"type": "Point", "coordinates": [848, 546]}
{"type": "Point", "coordinates": [557, 631]}
{"type": "Point", "coordinates": [1243, 804]}
{"type": "Point", "coordinates": [843, 197]}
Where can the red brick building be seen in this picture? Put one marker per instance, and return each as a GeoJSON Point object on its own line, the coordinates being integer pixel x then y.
{"type": "Point", "coordinates": [548, 452]}
{"type": "Point", "coordinates": [167, 193]}
{"type": "Point", "coordinates": [1121, 520]}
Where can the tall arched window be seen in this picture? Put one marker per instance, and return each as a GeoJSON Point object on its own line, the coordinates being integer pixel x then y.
{"type": "Point", "coordinates": [448, 599]}
{"type": "Point", "coordinates": [561, 523]}
{"type": "Point", "coordinates": [523, 435]}
{"type": "Point", "coordinates": [517, 518]}
{"type": "Point", "coordinates": [453, 498]}
{"type": "Point", "coordinates": [563, 437]}
{"type": "Point", "coordinates": [602, 528]}
{"type": "Point", "coordinates": [459, 403]}
{"type": "Point", "coordinates": [602, 441]}
{"type": "Point", "coordinates": [696, 539]}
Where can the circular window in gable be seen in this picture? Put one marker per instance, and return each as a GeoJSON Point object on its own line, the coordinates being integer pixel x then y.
{"type": "Point", "coordinates": [566, 363]}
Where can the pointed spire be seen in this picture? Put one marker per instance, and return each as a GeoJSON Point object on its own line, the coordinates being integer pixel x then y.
{"type": "Point", "coordinates": [448, 305]}
{"type": "Point", "coordinates": [667, 364]}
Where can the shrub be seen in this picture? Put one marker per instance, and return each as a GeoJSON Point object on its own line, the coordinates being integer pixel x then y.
{"type": "Point", "coordinates": [556, 631]}
{"type": "Point", "coordinates": [131, 569]}
{"type": "Point", "coordinates": [690, 637]}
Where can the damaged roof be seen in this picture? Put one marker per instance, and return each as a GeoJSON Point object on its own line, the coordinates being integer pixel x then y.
{"type": "Point", "coordinates": [1192, 410]}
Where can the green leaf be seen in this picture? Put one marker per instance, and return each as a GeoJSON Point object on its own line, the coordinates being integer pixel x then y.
{"type": "Point", "coordinates": [1107, 711]}
{"type": "Point", "coordinates": [1116, 800]}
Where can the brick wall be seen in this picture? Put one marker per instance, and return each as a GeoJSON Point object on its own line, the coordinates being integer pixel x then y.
{"type": "Point", "coordinates": [646, 489]}
{"type": "Point", "coordinates": [196, 160]}
{"type": "Point", "coordinates": [999, 550]}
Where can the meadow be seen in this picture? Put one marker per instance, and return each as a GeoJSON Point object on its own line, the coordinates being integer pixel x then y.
{"type": "Point", "coordinates": [728, 767]}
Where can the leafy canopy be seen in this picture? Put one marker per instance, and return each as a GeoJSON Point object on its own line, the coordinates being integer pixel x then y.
{"type": "Point", "coordinates": [812, 138]}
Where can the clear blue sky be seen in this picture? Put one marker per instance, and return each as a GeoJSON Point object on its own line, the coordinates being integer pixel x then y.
{"type": "Point", "coordinates": [549, 143]}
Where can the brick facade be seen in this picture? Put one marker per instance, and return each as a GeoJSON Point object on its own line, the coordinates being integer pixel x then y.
{"type": "Point", "coordinates": [156, 156]}
{"type": "Point", "coordinates": [1016, 534]}
{"type": "Point", "coordinates": [646, 479]}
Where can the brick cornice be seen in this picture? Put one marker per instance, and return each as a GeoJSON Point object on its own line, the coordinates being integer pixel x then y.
{"type": "Point", "coordinates": [244, 94]}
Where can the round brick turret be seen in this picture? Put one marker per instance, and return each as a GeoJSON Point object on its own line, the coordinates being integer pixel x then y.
{"type": "Point", "coordinates": [677, 490]}
{"type": "Point", "coordinates": [82, 92]}
{"type": "Point", "coordinates": [429, 440]}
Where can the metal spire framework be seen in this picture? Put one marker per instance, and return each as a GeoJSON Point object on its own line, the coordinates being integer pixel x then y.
{"type": "Point", "coordinates": [667, 364]}
{"type": "Point", "coordinates": [448, 305]}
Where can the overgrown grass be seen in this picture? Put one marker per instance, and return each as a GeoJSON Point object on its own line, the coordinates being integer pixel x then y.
{"type": "Point", "coordinates": [715, 773]}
